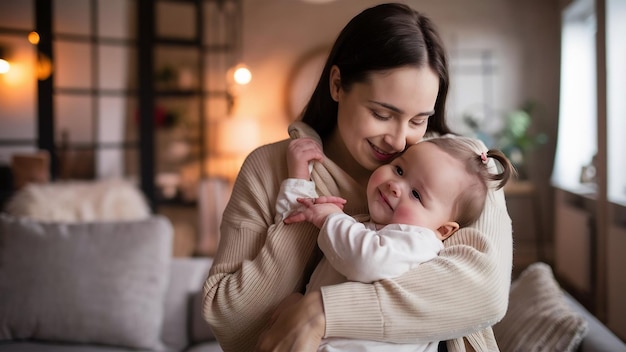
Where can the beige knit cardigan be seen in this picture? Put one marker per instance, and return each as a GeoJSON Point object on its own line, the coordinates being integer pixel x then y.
{"type": "Point", "coordinates": [461, 293]}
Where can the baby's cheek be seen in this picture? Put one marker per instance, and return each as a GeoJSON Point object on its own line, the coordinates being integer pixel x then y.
{"type": "Point", "coordinates": [407, 215]}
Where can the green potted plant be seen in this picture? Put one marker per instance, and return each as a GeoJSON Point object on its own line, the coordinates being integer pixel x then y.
{"type": "Point", "coordinates": [515, 138]}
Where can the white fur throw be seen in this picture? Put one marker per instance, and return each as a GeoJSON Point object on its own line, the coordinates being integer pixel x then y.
{"type": "Point", "coordinates": [80, 201]}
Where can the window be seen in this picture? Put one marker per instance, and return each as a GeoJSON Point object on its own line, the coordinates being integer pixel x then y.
{"type": "Point", "coordinates": [616, 104]}
{"type": "Point", "coordinates": [577, 133]}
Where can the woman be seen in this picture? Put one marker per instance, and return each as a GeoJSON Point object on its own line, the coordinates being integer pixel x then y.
{"type": "Point", "coordinates": [383, 87]}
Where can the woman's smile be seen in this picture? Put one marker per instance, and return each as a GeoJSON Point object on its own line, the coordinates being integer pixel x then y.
{"type": "Point", "coordinates": [381, 155]}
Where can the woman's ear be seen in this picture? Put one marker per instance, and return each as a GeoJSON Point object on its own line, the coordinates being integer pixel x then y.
{"type": "Point", "coordinates": [446, 230]}
{"type": "Point", "coordinates": [335, 82]}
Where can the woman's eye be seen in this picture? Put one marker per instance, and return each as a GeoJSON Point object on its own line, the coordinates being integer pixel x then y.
{"type": "Point", "coordinates": [419, 122]}
{"type": "Point", "coordinates": [416, 195]}
{"type": "Point", "coordinates": [380, 116]}
{"type": "Point", "coordinates": [399, 171]}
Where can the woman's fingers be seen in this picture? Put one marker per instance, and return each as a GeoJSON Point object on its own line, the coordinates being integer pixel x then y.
{"type": "Point", "coordinates": [300, 326]}
{"type": "Point", "coordinates": [288, 301]}
{"type": "Point", "coordinates": [299, 153]}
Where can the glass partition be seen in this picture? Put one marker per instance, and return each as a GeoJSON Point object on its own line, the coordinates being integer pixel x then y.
{"type": "Point", "coordinates": [94, 84]}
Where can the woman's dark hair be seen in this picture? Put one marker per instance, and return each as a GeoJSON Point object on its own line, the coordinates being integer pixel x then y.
{"type": "Point", "coordinates": [382, 37]}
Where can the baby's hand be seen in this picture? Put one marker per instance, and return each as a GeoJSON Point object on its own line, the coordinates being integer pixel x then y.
{"type": "Point", "coordinates": [338, 201]}
{"type": "Point", "coordinates": [299, 153]}
{"type": "Point", "coordinates": [316, 210]}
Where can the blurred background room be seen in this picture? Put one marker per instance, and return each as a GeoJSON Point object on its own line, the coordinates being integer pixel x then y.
{"type": "Point", "coordinates": [171, 95]}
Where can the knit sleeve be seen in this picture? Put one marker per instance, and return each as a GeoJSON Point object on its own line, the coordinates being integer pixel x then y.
{"type": "Point", "coordinates": [258, 262]}
{"type": "Point", "coordinates": [462, 291]}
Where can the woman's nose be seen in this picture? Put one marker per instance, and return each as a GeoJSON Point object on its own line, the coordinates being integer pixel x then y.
{"type": "Point", "coordinates": [396, 139]}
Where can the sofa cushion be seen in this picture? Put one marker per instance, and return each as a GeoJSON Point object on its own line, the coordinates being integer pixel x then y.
{"type": "Point", "coordinates": [539, 317]}
{"type": "Point", "coordinates": [32, 346]}
{"type": "Point", "coordinates": [187, 276]}
{"type": "Point", "coordinates": [200, 328]}
{"type": "Point", "coordinates": [100, 282]}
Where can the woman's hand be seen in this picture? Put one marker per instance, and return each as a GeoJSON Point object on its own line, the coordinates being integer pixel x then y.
{"type": "Point", "coordinates": [297, 325]}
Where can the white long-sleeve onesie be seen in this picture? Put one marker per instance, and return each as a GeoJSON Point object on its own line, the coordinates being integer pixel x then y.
{"type": "Point", "coordinates": [357, 251]}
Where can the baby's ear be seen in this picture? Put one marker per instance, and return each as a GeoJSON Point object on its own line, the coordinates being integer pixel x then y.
{"type": "Point", "coordinates": [446, 230]}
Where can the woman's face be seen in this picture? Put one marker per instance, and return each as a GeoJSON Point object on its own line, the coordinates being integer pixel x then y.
{"type": "Point", "coordinates": [377, 119]}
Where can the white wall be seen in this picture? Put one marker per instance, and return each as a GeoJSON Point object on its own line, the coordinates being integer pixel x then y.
{"type": "Point", "coordinates": [523, 35]}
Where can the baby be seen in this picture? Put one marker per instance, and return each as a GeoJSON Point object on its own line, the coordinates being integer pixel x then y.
{"type": "Point", "coordinates": [415, 202]}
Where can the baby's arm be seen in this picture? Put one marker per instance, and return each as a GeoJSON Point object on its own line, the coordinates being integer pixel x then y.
{"type": "Point", "coordinates": [367, 255]}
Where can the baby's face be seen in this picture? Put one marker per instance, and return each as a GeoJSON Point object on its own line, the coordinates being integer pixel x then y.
{"type": "Point", "coordinates": [418, 188]}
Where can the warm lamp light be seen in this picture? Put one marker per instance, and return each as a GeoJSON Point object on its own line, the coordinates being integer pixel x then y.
{"type": "Point", "coordinates": [242, 75]}
{"type": "Point", "coordinates": [239, 75]}
{"type": "Point", "coordinates": [233, 140]}
{"type": "Point", "coordinates": [4, 63]}
{"type": "Point", "coordinates": [33, 38]}
{"type": "Point", "coordinates": [44, 67]}
{"type": "Point", "coordinates": [4, 66]}
{"type": "Point", "coordinates": [236, 136]}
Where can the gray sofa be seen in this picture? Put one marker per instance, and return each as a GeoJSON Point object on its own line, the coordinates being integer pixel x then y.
{"type": "Point", "coordinates": [598, 338]}
{"type": "Point", "coordinates": [99, 286]}
{"type": "Point", "coordinates": [183, 326]}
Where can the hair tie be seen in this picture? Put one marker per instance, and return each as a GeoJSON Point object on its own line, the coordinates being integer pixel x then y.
{"type": "Point", "coordinates": [483, 157]}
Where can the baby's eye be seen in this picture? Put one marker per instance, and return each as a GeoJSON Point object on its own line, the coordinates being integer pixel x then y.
{"type": "Point", "coordinates": [399, 171]}
{"type": "Point", "coordinates": [416, 195]}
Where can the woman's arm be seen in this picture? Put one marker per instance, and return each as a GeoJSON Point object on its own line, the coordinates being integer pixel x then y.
{"type": "Point", "coordinates": [258, 263]}
{"type": "Point", "coordinates": [367, 255]}
{"type": "Point", "coordinates": [463, 290]}
{"type": "Point", "coordinates": [461, 293]}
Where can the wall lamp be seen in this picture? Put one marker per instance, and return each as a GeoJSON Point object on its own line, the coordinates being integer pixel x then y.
{"type": "Point", "coordinates": [5, 66]}
{"type": "Point", "coordinates": [237, 77]}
